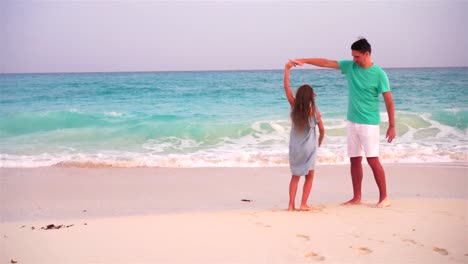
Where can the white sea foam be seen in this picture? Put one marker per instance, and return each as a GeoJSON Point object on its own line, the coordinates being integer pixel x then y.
{"type": "Point", "coordinates": [266, 145]}
{"type": "Point", "coordinates": [171, 144]}
{"type": "Point", "coordinates": [113, 114]}
{"type": "Point", "coordinates": [237, 157]}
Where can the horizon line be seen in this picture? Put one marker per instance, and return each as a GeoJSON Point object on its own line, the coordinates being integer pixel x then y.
{"type": "Point", "coordinates": [237, 70]}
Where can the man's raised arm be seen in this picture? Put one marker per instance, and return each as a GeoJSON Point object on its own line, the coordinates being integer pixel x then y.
{"type": "Point", "coordinates": [333, 64]}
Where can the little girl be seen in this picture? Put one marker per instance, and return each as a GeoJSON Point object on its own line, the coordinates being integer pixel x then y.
{"type": "Point", "coordinates": [303, 139]}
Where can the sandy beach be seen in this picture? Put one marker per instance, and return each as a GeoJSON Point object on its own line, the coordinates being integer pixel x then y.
{"type": "Point", "coordinates": [230, 215]}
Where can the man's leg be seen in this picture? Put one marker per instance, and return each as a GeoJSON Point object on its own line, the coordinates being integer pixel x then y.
{"type": "Point", "coordinates": [379, 175]}
{"type": "Point", "coordinates": [356, 177]}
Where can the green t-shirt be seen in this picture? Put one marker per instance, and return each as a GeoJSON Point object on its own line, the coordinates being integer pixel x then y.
{"type": "Point", "coordinates": [365, 86]}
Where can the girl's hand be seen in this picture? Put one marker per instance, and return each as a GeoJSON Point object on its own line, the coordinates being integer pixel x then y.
{"type": "Point", "coordinates": [297, 62]}
{"type": "Point", "coordinates": [289, 65]}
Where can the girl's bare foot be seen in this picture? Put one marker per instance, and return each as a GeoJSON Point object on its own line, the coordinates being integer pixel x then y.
{"type": "Point", "coordinates": [308, 208]}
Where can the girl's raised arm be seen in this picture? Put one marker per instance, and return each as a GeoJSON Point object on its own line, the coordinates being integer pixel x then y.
{"type": "Point", "coordinates": [287, 88]}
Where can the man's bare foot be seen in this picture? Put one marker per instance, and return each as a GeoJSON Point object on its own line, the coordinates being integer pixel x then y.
{"type": "Point", "coordinates": [291, 208]}
{"type": "Point", "coordinates": [384, 203]}
{"type": "Point", "coordinates": [353, 201]}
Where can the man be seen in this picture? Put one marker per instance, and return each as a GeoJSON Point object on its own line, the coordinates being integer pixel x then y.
{"type": "Point", "coordinates": [365, 82]}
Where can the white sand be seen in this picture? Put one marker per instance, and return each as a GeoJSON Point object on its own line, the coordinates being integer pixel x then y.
{"type": "Point", "coordinates": [161, 215]}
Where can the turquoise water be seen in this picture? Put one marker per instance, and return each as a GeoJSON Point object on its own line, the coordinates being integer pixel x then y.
{"type": "Point", "coordinates": [220, 118]}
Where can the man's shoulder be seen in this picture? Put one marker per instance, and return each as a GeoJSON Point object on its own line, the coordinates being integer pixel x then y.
{"type": "Point", "coordinates": [378, 68]}
{"type": "Point", "coordinates": [381, 78]}
{"type": "Point", "coordinates": [345, 62]}
{"type": "Point", "coordinates": [378, 71]}
{"type": "Point", "coordinates": [345, 65]}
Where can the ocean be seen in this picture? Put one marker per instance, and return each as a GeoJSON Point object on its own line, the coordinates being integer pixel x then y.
{"type": "Point", "coordinates": [214, 118]}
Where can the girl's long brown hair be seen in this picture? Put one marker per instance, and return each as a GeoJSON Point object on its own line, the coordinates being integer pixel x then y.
{"type": "Point", "coordinates": [304, 106]}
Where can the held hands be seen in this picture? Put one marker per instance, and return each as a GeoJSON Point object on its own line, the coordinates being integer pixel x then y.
{"type": "Point", "coordinates": [293, 63]}
{"type": "Point", "coordinates": [297, 62]}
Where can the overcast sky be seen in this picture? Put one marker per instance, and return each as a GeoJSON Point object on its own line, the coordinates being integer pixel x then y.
{"type": "Point", "coordinates": [103, 36]}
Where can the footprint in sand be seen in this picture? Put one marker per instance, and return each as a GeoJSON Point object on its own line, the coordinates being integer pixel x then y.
{"type": "Point", "coordinates": [312, 209]}
{"type": "Point", "coordinates": [314, 256]}
{"type": "Point", "coordinates": [442, 213]}
{"type": "Point", "coordinates": [319, 208]}
{"type": "Point", "coordinates": [252, 214]}
{"type": "Point", "coordinates": [380, 241]}
{"type": "Point", "coordinates": [411, 241]}
{"type": "Point", "coordinates": [362, 250]}
{"type": "Point", "coordinates": [441, 251]}
{"type": "Point", "coordinates": [306, 237]}
{"type": "Point", "coordinates": [261, 224]}
{"type": "Point", "coordinates": [408, 240]}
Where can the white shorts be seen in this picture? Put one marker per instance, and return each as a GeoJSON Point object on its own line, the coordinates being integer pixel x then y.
{"type": "Point", "coordinates": [363, 140]}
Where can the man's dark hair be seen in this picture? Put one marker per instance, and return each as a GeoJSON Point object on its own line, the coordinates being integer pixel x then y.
{"type": "Point", "coordinates": [361, 45]}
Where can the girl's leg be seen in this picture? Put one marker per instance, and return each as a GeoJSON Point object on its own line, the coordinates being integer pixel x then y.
{"type": "Point", "coordinates": [309, 179]}
{"type": "Point", "coordinates": [292, 192]}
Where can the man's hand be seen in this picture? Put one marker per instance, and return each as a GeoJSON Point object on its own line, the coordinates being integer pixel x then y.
{"type": "Point", "coordinates": [391, 132]}
{"type": "Point", "coordinates": [297, 62]}
{"type": "Point", "coordinates": [388, 98]}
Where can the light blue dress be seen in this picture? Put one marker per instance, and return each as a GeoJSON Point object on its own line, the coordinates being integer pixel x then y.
{"type": "Point", "coordinates": [303, 148]}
